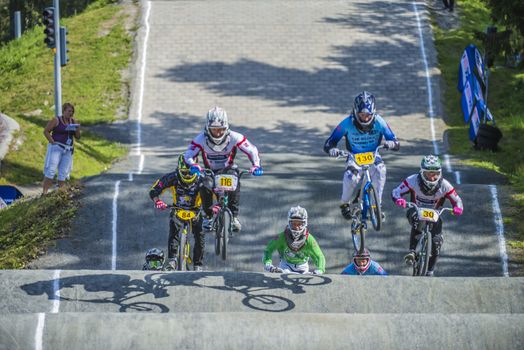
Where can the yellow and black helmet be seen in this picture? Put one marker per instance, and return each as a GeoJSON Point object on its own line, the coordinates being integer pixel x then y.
{"type": "Point", "coordinates": [184, 175]}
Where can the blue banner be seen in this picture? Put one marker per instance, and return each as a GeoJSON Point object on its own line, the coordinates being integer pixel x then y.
{"type": "Point", "coordinates": [472, 84]}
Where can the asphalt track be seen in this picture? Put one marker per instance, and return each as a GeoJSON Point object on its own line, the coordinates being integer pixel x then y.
{"type": "Point", "coordinates": [286, 72]}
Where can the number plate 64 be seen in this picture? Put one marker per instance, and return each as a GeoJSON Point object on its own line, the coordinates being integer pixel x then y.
{"type": "Point", "coordinates": [185, 214]}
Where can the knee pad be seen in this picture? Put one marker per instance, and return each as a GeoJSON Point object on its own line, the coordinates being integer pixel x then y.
{"type": "Point", "coordinates": [437, 243]}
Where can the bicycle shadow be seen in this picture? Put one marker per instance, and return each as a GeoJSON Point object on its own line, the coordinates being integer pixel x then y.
{"type": "Point", "coordinates": [261, 292]}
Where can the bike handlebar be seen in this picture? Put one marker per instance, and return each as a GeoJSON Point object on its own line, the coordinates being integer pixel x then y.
{"type": "Point", "coordinates": [212, 173]}
{"type": "Point", "coordinates": [345, 154]}
{"type": "Point", "coordinates": [440, 211]}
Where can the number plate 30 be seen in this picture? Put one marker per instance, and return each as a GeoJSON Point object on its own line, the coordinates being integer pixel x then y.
{"type": "Point", "coordinates": [428, 215]}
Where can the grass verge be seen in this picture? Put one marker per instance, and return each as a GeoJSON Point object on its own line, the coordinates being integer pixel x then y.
{"type": "Point", "coordinates": [506, 93]}
{"type": "Point", "coordinates": [100, 49]}
{"type": "Point", "coordinates": [28, 226]}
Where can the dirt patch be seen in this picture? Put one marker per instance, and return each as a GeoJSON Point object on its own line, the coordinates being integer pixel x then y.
{"type": "Point", "coordinates": [128, 11]}
{"type": "Point", "coordinates": [442, 16]}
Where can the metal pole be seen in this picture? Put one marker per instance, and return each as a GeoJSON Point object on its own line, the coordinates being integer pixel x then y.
{"type": "Point", "coordinates": [58, 77]}
{"type": "Point", "coordinates": [18, 25]}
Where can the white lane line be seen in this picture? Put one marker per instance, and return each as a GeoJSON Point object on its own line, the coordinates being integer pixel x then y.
{"type": "Point", "coordinates": [115, 219]}
{"type": "Point", "coordinates": [39, 334]}
{"type": "Point", "coordinates": [500, 229]}
{"type": "Point", "coordinates": [428, 80]}
{"type": "Point", "coordinates": [142, 78]}
{"type": "Point", "coordinates": [139, 136]}
{"type": "Point", "coordinates": [450, 170]}
{"type": "Point", "coordinates": [56, 292]}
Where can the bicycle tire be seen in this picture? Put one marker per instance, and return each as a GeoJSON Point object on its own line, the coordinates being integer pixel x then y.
{"type": "Point", "coordinates": [358, 238]}
{"type": "Point", "coordinates": [226, 231]}
{"type": "Point", "coordinates": [218, 230]}
{"type": "Point", "coordinates": [427, 256]}
{"type": "Point", "coordinates": [375, 211]}
{"type": "Point", "coordinates": [182, 263]}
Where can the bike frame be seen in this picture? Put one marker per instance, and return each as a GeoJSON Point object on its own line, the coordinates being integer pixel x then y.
{"type": "Point", "coordinates": [359, 224]}
{"type": "Point", "coordinates": [222, 234]}
{"type": "Point", "coordinates": [424, 247]}
{"type": "Point", "coordinates": [184, 232]}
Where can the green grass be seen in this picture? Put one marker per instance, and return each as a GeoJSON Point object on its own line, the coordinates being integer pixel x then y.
{"type": "Point", "coordinates": [505, 100]}
{"type": "Point", "coordinates": [100, 49]}
{"type": "Point", "coordinates": [28, 226]}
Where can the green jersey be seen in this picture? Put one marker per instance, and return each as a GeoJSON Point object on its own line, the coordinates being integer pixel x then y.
{"type": "Point", "coordinates": [310, 249]}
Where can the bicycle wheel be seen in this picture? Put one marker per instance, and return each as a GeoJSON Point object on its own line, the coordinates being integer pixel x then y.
{"type": "Point", "coordinates": [182, 254]}
{"type": "Point", "coordinates": [218, 231]}
{"type": "Point", "coordinates": [375, 211]}
{"type": "Point", "coordinates": [357, 236]}
{"type": "Point", "coordinates": [225, 232]}
{"type": "Point", "coordinates": [427, 252]}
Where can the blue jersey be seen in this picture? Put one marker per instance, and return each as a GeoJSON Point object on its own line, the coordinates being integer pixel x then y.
{"type": "Point", "coordinates": [374, 269]}
{"type": "Point", "coordinates": [358, 141]}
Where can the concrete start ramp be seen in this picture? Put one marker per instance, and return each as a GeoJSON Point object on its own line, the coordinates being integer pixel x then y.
{"type": "Point", "coordinates": [53, 309]}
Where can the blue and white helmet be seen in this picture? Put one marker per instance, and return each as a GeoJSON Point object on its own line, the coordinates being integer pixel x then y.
{"type": "Point", "coordinates": [217, 119]}
{"type": "Point", "coordinates": [364, 103]}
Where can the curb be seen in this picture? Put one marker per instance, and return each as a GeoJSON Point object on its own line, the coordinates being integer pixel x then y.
{"type": "Point", "coordinates": [7, 127]}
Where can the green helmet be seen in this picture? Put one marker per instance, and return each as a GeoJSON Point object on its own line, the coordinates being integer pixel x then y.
{"type": "Point", "coordinates": [184, 175]}
{"type": "Point", "coordinates": [431, 173]}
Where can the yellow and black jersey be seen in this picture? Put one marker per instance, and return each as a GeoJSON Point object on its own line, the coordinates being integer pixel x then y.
{"type": "Point", "coordinates": [184, 196]}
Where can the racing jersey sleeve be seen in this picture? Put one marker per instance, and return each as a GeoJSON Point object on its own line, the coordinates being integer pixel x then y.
{"type": "Point", "coordinates": [376, 269]}
{"type": "Point", "coordinates": [316, 254]}
{"type": "Point", "coordinates": [162, 184]}
{"type": "Point", "coordinates": [386, 131]}
{"type": "Point", "coordinates": [350, 270]}
{"type": "Point", "coordinates": [249, 149]}
{"type": "Point", "coordinates": [277, 243]}
{"type": "Point", "coordinates": [452, 195]}
{"type": "Point", "coordinates": [192, 151]}
{"type": "Point", "coordinates": [402, 189]}
{"type": "Point", "coordinates": [336, 135]}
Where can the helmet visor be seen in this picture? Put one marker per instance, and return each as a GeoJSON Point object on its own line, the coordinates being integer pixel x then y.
{"type": "Point", "coordinates": [361, 261]}
{"type": "Point", "coordinates": [155, 264]}
{"type": "Point", "coordinates": [297, 224]}
{"type": "Point", "coordinates": [217, 132]}
{"type": "Point", "coordinates": [431, 175]}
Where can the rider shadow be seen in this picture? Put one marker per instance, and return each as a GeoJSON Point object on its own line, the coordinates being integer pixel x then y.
{"type": "Point", "coordinates": [261, 292]}
{"type": "Point", "coordinates": [122, 288]}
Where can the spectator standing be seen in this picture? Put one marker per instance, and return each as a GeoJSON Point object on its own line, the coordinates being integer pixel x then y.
{"type": "Point", "coordinates": [60, 132]}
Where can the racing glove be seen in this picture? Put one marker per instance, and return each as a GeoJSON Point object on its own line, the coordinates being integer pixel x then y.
{"type": "Point", "coordinates": [160, 204]}
{"type": "Point", "coordinates": [271, 268]}
{"type": "Point", "coordinates": [334, 152]}
{"type": "Point", "coordinates": [317, 272]}
{"type": "Point", "coordinates": [457, 211]}
{"type": "Point", "coordinates": [195, 169]}
{"type": "Point", "coordinates": [390, 145]}
{"type": "Point", "coordinates": [256, 170]}
{"type": "Point", "coordinates": [401, 202]}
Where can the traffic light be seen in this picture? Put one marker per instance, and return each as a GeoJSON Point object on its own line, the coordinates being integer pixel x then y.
{"type": "Point", "coordinates": [49, 23]}
{"type": "Point", "coordinates": [63, 47]}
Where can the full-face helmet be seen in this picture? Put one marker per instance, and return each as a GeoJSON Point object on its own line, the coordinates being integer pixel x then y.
{"type": "Point", "coordinates": [296, 227]}
{"type": "Point", "coordinates": [362, 261]}
{"type": "Point", "coordinates": [217, 126]}
{"type": "Point", "coordinates": [154, 259]}
{"type": "Point", "coordinates": [183, 173]}
{"type": "Point", "coordinates": [364, 110]}
{"type": "Point", "coordinates": [430, 174]}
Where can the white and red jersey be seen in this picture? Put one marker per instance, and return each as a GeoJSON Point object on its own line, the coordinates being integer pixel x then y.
{"type": "Point", "coordinates": [217, 157]}
{"type": "Point", "coordinates": [411, 185]}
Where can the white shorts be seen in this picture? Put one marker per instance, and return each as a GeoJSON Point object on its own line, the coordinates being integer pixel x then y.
{"type": "Point", "coordinates": [293, 268]}
{"type": "Point", "coordinates": [60, 158]}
